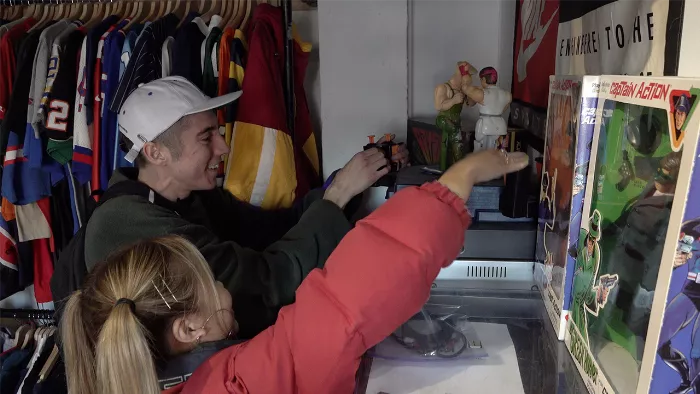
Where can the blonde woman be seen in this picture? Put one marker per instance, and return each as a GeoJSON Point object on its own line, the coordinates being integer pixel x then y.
{"type": "Point", "coordinates": [152, 315]}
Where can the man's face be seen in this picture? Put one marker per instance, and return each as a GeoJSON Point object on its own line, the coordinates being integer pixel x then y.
{"type": "Point", "coordinates": [202, 148]}
{"type": "Point", "coordinates": [590, 245]}
{"type": "Point", "coordinates": [680, 119]}
{"type": "Point", "coordinates": [664, 181]}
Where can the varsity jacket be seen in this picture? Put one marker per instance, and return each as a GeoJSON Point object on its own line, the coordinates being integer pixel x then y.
{"type": "Point", "coordinates": [268, 166]}
{"type": "Point", "coordinates": [377, 278]}
{"type": "Point", "coordinates": [260, 256]}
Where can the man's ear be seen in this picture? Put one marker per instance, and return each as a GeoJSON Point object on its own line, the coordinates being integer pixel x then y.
{"type": "Point", "coordinates": [187, 329]}
{"type": "Point", "coordinates": [154, 153]}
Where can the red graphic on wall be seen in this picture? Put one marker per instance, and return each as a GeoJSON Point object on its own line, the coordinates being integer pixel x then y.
{"type": "Point", "coordinates": [535, 50]}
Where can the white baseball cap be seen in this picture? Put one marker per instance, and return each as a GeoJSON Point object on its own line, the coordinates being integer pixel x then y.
{"type": "Point", "coordinates": [153, 107]}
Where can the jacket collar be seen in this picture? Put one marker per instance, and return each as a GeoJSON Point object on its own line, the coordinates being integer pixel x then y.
{"type": "Point", "coordinates": [178, 369]}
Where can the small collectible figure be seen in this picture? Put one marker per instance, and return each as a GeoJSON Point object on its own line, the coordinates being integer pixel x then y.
{"type": "Point", "coordinates": [587, 297]}
{"type": "Point", "coordinates": [682, 312]}
{"type": "Point", "coordinates": [449, 99]}
{"type": "Point", "coordinates": [493, 102]}
{"type": "Point", "coordinates": [640, 232]}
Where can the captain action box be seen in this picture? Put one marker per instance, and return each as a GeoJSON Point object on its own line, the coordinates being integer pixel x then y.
{"type": "Point", "coordinates": [569, 133]}
{"type": "Point", "coordinates": [633, 309]}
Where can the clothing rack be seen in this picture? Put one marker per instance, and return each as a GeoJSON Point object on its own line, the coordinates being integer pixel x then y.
{"type": "Point", "coordinates": [33, 314]}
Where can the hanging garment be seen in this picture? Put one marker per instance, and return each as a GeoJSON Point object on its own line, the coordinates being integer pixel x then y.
{"type": "Point", "coordinates": [7, 60]}
{"type": "Point", "coordinates": [111, 60]}
{"type": "Point", "coordinates": [129, 43]}
{"type": "Point", "coordinates": [60, 113]}
{"type": "Point", "coordinates": [167, 55]}
{"type": "Point", "coordinates": [145, 63]}
{"type": "Point", "coordinates": [186, 49]}
{"type": "Point", "coordinates": [82, 142]}
{"type": "Point", "coordinates": [232, 53]}
{"type": "Point", "coordinates": [99, 164]}
{"type": "Point", "coordinates": [9, 259]}
{"type": "Point", "coordinates": [267, 165]}
{"type": "Point", "coordinates": [22, 184]}
{"type": "Point", "coordinates": [208, 54]}
{"type": "Point", "coordinates": [58, 126]}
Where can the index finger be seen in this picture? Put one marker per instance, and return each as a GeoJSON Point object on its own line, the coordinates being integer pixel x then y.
{"type": "Point", "coordinates": [517, 161]}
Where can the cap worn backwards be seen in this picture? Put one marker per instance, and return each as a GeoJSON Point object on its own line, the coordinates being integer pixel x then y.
{"type": "Point", "coordinates": [153, 107]}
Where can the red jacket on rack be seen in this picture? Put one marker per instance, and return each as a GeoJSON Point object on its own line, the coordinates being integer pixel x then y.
{"type": "Point", "coordinates": [268, 165]}
{"type": "Point", "coordinates": [377, 278]}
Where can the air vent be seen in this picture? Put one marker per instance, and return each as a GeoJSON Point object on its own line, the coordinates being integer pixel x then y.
{"type": "Point", "coordinates": [480, 271]}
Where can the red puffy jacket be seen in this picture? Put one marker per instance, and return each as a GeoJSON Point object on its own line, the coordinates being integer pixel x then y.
{"type": "Point", "coordinates": [376, 279]}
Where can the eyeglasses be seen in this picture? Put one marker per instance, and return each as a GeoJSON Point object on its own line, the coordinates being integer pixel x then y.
{"type": "Point", "coordinates": [231, 333]}
{"type": "Point", "coordinates": [663, 177]}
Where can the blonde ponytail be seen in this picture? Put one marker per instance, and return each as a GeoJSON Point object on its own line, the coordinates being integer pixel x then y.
{"type": "Point", "coordinates": [77, 349]}
{"type": "Point", "coordinates": [124, 360]}
{"type": "Point", "coordinates": [109, 345]}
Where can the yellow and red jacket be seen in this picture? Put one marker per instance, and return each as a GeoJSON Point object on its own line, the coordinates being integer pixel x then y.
{"type": "Point", "coordinates": [268, 166]}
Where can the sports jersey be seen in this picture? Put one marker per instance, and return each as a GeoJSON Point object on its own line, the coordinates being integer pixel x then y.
{"type": "Point", "coordinates": [186, 49]}
{"type": "Point", "coordinates": [111, 60]}
{"type": "Point", "coordinates": [145, 63]}
{"type": "Point", "coordinates": [8, 62]}
{"type": "Point", "coordinates": [93, 39]}
{"type": "Point", "coordinates": [232, 52]}
{"type": "Point", "coordinates": [167, 56]}
{"type": "Point", "coordinates": [129, 42]}
{"type": "Point", "coordinates": [41, 70]}
{"type": "Point", "coordinates": [210, 71]}
{"type": "Point", "coordinates": [9, 259]}
{"type": "Point", "coordinates": [97, 181]}
{"type": "Point", "coordinates": [58, 125]}
{"type": "Point", "coordinates": [52, 72]}
{"type": "Point", "coordinates": [82, 140]}
{"type": "Point", "coordinates": [16, 115]}
{"type": "Point", "coordinates": [268, 166]}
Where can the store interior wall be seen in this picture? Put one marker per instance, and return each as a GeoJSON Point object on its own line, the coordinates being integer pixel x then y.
{"type": "Point", "coordinates": [447, 31]}
{"type": "Point", "coordinates": [364, 77]}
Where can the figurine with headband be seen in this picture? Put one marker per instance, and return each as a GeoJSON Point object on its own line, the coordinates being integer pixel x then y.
{"type": "Point", "coordinates": [492, 102]}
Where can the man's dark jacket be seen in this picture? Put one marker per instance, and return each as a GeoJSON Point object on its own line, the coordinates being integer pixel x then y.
{"type": "Point", "coordinates": [260, 256]}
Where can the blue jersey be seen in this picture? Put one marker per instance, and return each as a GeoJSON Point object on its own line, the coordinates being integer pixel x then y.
{"type": "Point", "coordinates": [111, 60]}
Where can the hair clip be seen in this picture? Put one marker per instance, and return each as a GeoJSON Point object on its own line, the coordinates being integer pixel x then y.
{"type": "Point", "coordinates": [161, 294]}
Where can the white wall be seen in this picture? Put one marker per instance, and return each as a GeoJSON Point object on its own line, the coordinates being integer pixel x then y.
{"type": "Point", "coordinates": [447, 31]}
{"type": "Point", "coordinates": [363, 74]}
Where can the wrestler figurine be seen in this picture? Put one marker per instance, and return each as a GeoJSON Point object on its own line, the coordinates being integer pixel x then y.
{"type": "Point", "coordinates": [493, 102]}
{"type": "Point", "coordinates": [449, 99]}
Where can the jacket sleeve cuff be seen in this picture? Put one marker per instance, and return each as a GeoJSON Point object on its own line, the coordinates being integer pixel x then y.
{"type": "Point", "coordinates": [446, 195]}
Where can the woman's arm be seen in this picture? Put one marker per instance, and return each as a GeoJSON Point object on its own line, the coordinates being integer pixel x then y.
{"type": "Point", "coordinates": [379, 275]}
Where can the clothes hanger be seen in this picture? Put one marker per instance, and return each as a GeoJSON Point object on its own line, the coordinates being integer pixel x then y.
{"type": "Point", "coordinates": [151, 12]}
{"type": "Point", "coordinates": [28, 338]}
{"type": "Point", "coordinates": [181, 10]}
{"type": "Point", "coordinates": [169, 7]}
{"type": "Point", "coordinates": [248, 11]}
{"type": "Point", "coordinates": [136, 15]}
{"type": "Point", "coordinates": [19, 335]}
{"type": "Point", "coordinates": [228, 11]}
{"type": "Point", "coordinates": [49, 364]}
{"type": "Point", "coordinates": [214, 10]}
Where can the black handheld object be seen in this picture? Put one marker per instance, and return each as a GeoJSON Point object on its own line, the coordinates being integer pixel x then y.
{"type": "Point", "coordinates": [389, 148]}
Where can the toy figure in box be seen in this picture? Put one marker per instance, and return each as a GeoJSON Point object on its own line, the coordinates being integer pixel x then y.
{"type": "Point", "coordinates": [640, 232]}
{"type": "Point", "coordinates": [682, 312]}
{"type": "Point", "coordinates": [645, 147]}
{"type": "Point", "coordinates": [570, 125]}
{"type": "Point", "coordinates": [588, 297]}
{"type": "Point", "coordinates": [493, 102]}
{"type": "Point", "coordinates": [449, 99]}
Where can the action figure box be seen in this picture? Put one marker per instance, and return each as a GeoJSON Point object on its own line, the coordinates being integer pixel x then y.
{"type": "Point", "coordinates": [569, 133]}
{"type": "Point", "coordinates": [644, 149]}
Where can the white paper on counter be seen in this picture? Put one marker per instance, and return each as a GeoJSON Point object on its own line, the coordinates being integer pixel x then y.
{"type": "Point", "coordinates": [499, 373]}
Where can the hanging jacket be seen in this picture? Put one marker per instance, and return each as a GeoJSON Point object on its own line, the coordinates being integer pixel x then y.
{"type": "Point", "coordinates": [268, 166]}
{"type": "Point", "coordinates": [376, 279]}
